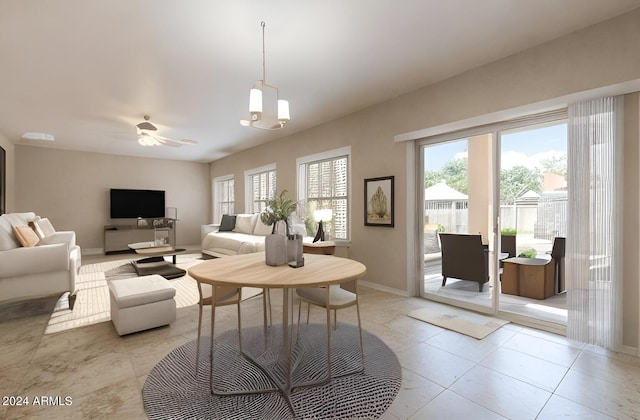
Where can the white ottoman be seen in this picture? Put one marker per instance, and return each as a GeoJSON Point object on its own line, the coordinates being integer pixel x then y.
{"type": "Point", "coordinates": [140, 303]}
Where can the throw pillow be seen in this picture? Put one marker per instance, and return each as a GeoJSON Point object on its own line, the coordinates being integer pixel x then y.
{"type": "Point", "coordinates": [46, 226]}
{"type": "Point", "coordinates": [245, 223]}
{"type": "Point", "coordinates": [227, 223]}
{"type": "Point", "coordinates": [33, 225]}
{"type": "Point", "coordinates": [262, 229]}
{"type": "Point", "coordinates": [26, 236]}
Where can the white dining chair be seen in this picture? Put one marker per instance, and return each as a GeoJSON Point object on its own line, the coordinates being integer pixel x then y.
{"type": "Point", "coordinates": [332, 298]}
{"type": "Point", "coordinates": [224, 296]}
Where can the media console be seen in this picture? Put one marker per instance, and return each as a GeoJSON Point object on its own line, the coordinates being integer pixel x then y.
{"type": "Point", "coordinates": [118, 237]}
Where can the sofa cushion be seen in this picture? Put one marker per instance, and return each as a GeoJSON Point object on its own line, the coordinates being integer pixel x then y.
{"type": "Point", "coordinates": [26, 236]}
{"type": "Point", "coordinates": [228, 223]}
{"type": "Point", "coordinates": [7, 238]}
{"type": "Point", "coordinates": [20, 219]}
{"type": "Point", "coordinates": [245, 223]}
{"type": "Point", "coordinates": [7, 241]}
{"type": "Point", "coordinates": [45, 225]}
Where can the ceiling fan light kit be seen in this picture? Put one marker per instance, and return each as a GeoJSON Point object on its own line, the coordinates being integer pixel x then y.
{"type": "Point", "coordinates": [148, 136]}
{"type": "Point", "coordinates": [258, 118]}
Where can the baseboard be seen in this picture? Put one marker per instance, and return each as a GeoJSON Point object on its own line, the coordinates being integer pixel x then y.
{"type": "Point", "coordinates": [91, 251]}
{"type": "Point", "coordinates": [387, 289]}
{"type": "Point", "coordinates": [631, 351]}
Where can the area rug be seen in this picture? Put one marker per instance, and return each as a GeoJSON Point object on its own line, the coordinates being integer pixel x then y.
{"type": "Point", "coordinates": [174, 390]}
{"type": "Point", "coordinates": [458, 320]}
{"type": "Point", "coordinates": [92, 293]}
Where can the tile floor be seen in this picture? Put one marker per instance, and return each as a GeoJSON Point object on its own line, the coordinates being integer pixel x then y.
{"type": "Point", "coordinates": [514, 373]}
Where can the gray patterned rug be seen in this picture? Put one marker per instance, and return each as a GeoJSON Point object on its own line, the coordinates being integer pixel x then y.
{"type": "Point", "coordinates": [173, 390]}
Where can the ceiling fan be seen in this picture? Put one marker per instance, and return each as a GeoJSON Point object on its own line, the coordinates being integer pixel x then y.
{"type": "Point", "coordinates": [148, 136]}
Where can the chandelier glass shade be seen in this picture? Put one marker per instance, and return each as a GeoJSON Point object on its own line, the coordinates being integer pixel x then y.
{"type": "Point", "coordinates": [259, 117]}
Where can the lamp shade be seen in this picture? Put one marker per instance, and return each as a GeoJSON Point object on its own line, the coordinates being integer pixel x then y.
{"type": "Point", "coordinates": [283, 110]}
{"type": "Point", "coordinates": [255, 100]}
{"type": "Point", "coordinates": [323, 215]}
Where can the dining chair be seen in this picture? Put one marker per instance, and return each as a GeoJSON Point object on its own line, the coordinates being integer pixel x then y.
{"type": "Point", "coordinates": [224, 296]}
{"type": "Point", "coordinates": [331, 298]}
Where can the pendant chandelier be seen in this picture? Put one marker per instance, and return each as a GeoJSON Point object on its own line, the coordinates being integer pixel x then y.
{"type": "Point", "coordinates": [259, 118]}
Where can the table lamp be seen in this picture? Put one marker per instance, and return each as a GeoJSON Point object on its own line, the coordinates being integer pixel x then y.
{"type": "Point", "coordinates": [320, 215]}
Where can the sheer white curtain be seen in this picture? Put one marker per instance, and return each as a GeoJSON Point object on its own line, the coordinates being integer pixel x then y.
{"type": "Point", "coordinates": [594, 258]}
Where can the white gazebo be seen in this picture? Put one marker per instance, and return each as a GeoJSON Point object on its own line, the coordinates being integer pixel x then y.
{"type": "Point", "coordinates": [446, 206]}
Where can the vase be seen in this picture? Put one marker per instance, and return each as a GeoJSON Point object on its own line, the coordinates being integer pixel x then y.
{"type": "Point", "coordinates": [275, 249]}
{"type": "Point", "coordinates": [294, 251]}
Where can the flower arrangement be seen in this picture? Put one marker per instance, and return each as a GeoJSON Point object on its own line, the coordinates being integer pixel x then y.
{"type": "Point", "coordinates": [278, 209]}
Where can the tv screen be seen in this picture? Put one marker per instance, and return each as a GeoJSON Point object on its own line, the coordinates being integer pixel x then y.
{"type": "Point", "coordinates": [130, 204]}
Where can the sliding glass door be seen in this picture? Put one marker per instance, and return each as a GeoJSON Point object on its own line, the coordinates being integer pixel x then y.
{"type": "Point", "coordinates": [457, 191]}
{"type": "Point", "coordinates": [493, 205]}
{"type": "Point", "coordinates": [533, 216]}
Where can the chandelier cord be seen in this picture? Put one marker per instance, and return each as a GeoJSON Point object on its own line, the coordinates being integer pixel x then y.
{"type": "Point", "coordinates": [264, 77]}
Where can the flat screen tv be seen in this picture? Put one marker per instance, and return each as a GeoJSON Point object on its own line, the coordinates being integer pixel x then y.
{"type": "Point", "coordinates": [131, 204]}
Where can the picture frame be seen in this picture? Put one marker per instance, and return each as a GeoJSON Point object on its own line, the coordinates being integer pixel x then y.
{"type": "Point", "coordinates": [379, 201]}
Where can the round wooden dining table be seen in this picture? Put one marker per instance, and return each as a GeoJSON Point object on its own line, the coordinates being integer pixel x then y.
{"type": "Point", "coordinates": [250, 270]}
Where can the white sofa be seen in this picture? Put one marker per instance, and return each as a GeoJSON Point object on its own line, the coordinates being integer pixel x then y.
{"type": "Point", "coordinates": [48, 267]}
{"type": "Point", "coordinates": [246, 236]}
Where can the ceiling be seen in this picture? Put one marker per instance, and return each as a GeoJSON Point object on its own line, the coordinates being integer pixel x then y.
{"type": "Point", "coordinates": [87, 71]}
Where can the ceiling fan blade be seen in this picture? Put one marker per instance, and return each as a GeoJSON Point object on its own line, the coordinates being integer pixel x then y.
{"type": "Point", "coordinates": [166, 141]}
{"type": "Point", "coordinates": [146, 125]}
{"type": "Point", "coordinates": [179, 141]}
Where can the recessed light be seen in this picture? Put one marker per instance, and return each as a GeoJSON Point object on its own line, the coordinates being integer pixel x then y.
{"type": "Point", "coordinates": [38, 136]}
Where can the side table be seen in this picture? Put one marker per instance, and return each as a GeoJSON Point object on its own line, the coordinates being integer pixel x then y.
{"type": "Point", "coordinates": [320, 247]}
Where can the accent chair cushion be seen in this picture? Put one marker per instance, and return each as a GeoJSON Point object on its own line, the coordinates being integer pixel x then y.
{"type": "Point", "coordinates": [26, 236]}
{"type": "Point", "coordinates": [228, 223]}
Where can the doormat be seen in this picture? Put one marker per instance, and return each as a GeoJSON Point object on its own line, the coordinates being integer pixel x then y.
{"type": "Point", "coordinates": [458, 320]}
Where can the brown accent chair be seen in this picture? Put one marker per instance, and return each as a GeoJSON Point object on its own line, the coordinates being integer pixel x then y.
{"type": "Point", "coordinates": [508, 245]}
{"type": "Point", "coordinates": [558, 253]}
{"type": "Point", "coordinates": [464, 257]}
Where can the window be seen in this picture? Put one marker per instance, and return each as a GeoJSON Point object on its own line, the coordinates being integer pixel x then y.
{"type": "Point", "coordinates": [224, 197]}
{"type": "Point", "coordinates": [323, 183]}
{"type": "Point", "coordinates": [260, 187]}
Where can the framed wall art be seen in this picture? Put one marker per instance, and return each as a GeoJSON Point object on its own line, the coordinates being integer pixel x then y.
{"type": "Point", "coordinates": [378, 201]}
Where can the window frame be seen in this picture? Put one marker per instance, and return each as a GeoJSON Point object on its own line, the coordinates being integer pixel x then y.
{"type": "Point", "coordinates": [301, 165]}
{"type": "Point", "coordinates": [217, 193]}
{"type": "Point", "coordinates": [249, 199]}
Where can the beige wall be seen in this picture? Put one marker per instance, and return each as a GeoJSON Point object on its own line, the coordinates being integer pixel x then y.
{"type": "Point", "coordinates": [10, 181]}
{"type": "Point", "coordinates": [72, 189]}
{"type": "Point", "coordinates": [599, 56]}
